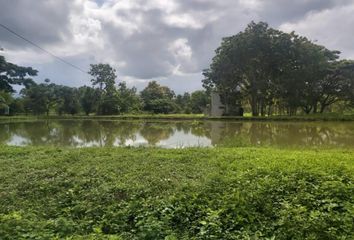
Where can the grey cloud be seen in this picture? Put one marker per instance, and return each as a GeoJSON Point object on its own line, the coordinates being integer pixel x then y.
{"type": "Point", "coordinates": [278, 11]}
{"type": "Point", "coordinates": [140, 40]}
{"type": "Point", "coordinates": [45, 22]}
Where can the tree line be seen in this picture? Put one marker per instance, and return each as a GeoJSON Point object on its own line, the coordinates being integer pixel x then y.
{"type": "Point", "coordinates": [273, 72]}
{"type": "Point", "coordinates": [104, 97]}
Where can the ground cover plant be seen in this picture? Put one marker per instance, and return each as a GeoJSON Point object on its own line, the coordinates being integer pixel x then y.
{"type": "Point", "coordinates": [310, 117]}
{"type": "Point", "coordinates": [139, 193]}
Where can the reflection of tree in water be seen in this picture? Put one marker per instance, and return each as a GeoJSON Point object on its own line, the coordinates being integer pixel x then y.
{"type": "Point", "coordinates": [226, 134]}
{"type": "Point", "coordinates": [197, 128]}
{"type": "Point", "coordinates": [74, 132]}
{"type": "Point", "coordinates": [5, 132]}
{"type": "Point", "coordinates": [222, 133]}
{"type": "Point", "coordinates": [113, 131]}
{"type": "Point", "coordinates": [91, 132]}
{"type": "Point", "coordinates": [50, 132]}
{"type": "Point", "coordinates": [282, 134]}
{"type": "Point", "coordinates": [156, 132]}
{"type": "Point", "coordinates": [323, 135]}
{"type": "Point", "coordinates": [183, 126]}
{"type": "Point", "coordinates": [200, 129]}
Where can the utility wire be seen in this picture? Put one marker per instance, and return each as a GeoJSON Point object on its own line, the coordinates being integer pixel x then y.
{"type": "Point", "coordinates": [46, 51]}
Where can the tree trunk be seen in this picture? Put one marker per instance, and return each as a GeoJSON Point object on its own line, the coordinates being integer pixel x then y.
{"type": "Point", "coordinates": [315, 108]}
{"type": "Point", "coordinates": [254, 106]}
{"type": "Point", "coordinates": [270, 110]}
{"type": "Point", "coordinates": [323, 107]}
{"type": "Point", "coordinates": [307, 109]}
{"type": "Point", "coordinates": [262, 106]}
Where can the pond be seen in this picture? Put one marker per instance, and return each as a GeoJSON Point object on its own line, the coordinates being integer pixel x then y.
{"type": "Point", "coordinates": [177, 134]}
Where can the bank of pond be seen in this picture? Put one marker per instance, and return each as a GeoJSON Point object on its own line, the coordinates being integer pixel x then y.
{"type": "Point", "coordinates": [176, 179]}
{"type": "Point", "coordinates": [193, 193]}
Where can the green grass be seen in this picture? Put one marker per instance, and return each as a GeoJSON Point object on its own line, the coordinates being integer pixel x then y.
{"type": "Point", "coordinates": [138, 193]}
{"type": "Point", "coordinates": [247, 117]}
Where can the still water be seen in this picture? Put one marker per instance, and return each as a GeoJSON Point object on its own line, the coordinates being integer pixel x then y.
{"type": "Point", "coordinates": [177, 134]}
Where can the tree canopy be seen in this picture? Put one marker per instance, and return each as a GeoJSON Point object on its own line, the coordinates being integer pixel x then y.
{"type": "Point", "coordinates": [12, 74]}
{"type": "Point", "coordinates": [267, 68]}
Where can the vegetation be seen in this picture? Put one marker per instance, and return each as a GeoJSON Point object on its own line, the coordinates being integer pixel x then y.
{"type": "Point", "coordinates": [261, 69]}
{"type": "Point", "coordinates": [103, 98]}
{"type": "Point", "coordinates": [144, 116]}
{"type": "Point", "coordinates": [11, 74]}
{"type": "Point", "coordinates": [243, 193]}
{"type": "Point", "coordinates": [275, 73]}
{"type": "Point", "coordinates": [195, 193]}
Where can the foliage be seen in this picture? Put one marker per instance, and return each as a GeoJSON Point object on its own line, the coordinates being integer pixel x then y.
{"type": "Point", "coordinates": [183, 102]}
{"type": "Point", "coordinates": [158, 99]}
{"type": "Point", "coordinates": [199, 101]}
{"type": "Point", "coordinates": [12, 74]}
{"type": "Point", "coordinates": [275, 71]}
{"type": "Point", "coordinates": [103, 75]}
{"type": "Point", "coordinates": [129, 101]}
{"type": "Point", "coordinates": [39, 98]}
{"type": "Point", "coordinates": [117, 193]}
{"type": "Point", "coordinates": [68, 100]}
{"type": "Point", "coordinates": [5, 100]}
{"type": "Point", "coordinates": [89, 98]}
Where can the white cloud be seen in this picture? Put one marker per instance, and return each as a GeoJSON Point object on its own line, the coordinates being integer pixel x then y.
{"type": "Point", "coordinates": [180, 49]}
{"type": "Point", "coordinates": [331, 27]}
{"type": "Point", "coordinates": [168, 40]}
{"type": "Point", "coordinates": [182, 21]}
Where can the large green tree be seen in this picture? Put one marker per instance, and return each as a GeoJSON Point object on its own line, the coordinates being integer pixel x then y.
{"type": "Point", "coordinates": [129, 101]}
{"type": "Point", "coordinates": [40, 98]}
{"type": "Point", "coordinates": [158, 99]}
{"type": "Point", "coordinates": [199, 101]}
{"type": "Point", "coordinates": [68, 100]}
{"type": "Point", "coordinates": [245, 65]}
{"type": "Point", "coordinates": [89, 99]}
{"type": "Point", "coordinates": [267, 68]}
{"type": "Point", "coordinates": [103, 75]}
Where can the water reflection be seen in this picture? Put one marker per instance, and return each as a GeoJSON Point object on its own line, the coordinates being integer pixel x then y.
{"type": "Point", "coordinates": [169, 134]}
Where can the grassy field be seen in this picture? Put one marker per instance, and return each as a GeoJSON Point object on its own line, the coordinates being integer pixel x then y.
{"type": "Point", "coordinates": [139, 193]}
{"type": "Point", "coordinates": [311, 117]}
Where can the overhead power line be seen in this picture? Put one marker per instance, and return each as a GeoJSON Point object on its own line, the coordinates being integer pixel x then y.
{"type": "Point", "coordinates": [37, 46]}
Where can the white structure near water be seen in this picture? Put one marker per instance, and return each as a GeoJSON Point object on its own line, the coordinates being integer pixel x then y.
{"type": "Point", "coordinates": [217, 109]}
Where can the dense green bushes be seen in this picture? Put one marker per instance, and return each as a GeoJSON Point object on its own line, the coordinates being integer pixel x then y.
{"type": "Point", "coordinates": [142, 193]}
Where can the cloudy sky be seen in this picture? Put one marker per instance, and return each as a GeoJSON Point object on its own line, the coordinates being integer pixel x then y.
{"type": "Point", "coordinates": [171, 41]}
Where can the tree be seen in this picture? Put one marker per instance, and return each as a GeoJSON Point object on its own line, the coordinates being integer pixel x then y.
{"type": "Point", "coordinates": [183, 102]}
{"type": "Point", "coordinates": [245, 64]}
{"type": "Point", "coordinates": [17, 106]}
{"type": "Point", "coordinates": [68, 100]}
{"type": "Point", "coordinates": [158, 99]}
{"type": "Point", "coordinates": [199, 101]}
{"type": "Point", "coordinates": [103, 75]}
{"type": "Point", "coordinates": [12, 74]}
{"type": "Point", "coordinates": [40, 98]}
{"type": "Point", "coordinates": [313, 69]}
{"type": "Point", "coordinates": [5, 100]}
{"type": "Point", "coordinates": [129, 101]}
{"type": "Point", "coordinates": [269, 68]}
{"type": "Point", "coordinates": [89, 98]}
{"type": "Point", "coordinates": [109, 104]}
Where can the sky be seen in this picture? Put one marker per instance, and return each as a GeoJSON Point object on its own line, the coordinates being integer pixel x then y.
{"type": "Point", "coordinates": [170, 41]}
